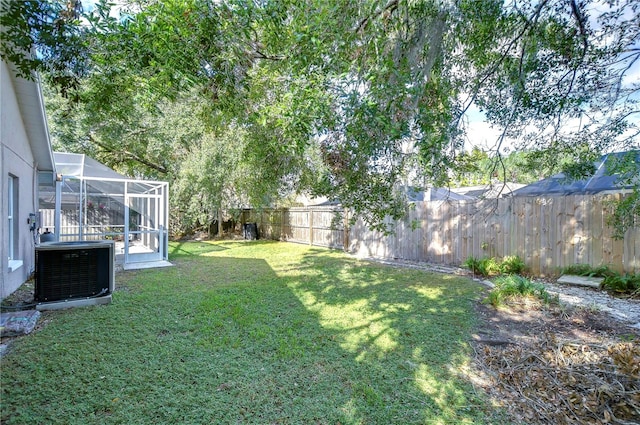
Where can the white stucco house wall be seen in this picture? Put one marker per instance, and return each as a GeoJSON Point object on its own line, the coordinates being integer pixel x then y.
{"type": "Point", "coordinates": [26, 161]}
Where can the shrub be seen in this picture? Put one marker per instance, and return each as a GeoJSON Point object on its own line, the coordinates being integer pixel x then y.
{"type": "Point", "coordinates": [613, 282]}
{"type": "Point", "coordinates": [628, 283]}
{"type": "Point", "coordinates": [472, 264]}
{"type": "Point", "coordinates": [577, 269]}
{"type": "Point", "coordinates": [512, 264]}
{"type": "Point", "coordinates": [484, 266]}
{"type": "Point", "coordinates": [489, 267]}
{"type": "Point", "coordinates": [516, 286]}
{"type": "Point", "coordinates": [587, 270]}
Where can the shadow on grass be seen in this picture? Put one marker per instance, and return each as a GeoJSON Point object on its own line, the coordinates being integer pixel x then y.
{"type": "Point", "coordinates": [295, 336]}
{"type": "Point", "coordinates": [181, 249]}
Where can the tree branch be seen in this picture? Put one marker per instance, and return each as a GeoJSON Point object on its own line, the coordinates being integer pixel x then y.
{"type": "Point", "coordinates": [505, 53]}
{"type": "Point", "coordinates": [390, 6]}
{"type": "Point", "coordinates": [160, 168]}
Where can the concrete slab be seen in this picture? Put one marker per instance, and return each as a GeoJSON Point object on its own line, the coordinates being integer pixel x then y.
{"type": "Point", "coordinates": [16, 323]}
{"type": "Point", "coordinates": [146, 265]}
{"type": "Point", "coordinates": [568, 279]}
{"type": "Point", "coordinates": [80, 302]}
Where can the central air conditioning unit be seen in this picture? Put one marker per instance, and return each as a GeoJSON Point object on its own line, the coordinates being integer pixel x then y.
{"type": "Point", "coordinates": [74, 274]}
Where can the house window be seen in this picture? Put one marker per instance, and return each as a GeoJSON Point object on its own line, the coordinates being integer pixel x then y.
{"type": "Point", "coordinates": [12, 210]}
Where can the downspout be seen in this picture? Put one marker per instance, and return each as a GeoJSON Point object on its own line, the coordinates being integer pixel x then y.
{"type": "Point", "coordinates": [34, 203]}
{"type": "Point", "coordinates": [58, 207]}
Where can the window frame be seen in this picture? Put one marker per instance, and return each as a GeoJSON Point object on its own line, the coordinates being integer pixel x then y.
{"type": "Point", "coordinates": [11, 216]}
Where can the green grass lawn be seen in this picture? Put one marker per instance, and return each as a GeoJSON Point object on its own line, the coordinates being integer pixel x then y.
{"type": "Point", "coordinates": [254, 332]}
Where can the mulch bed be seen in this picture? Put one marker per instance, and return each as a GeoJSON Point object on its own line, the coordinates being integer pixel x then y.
{"type": "Point", "coordinates": [558, 364]}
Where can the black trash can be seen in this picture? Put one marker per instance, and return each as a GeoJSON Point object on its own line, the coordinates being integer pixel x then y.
{"type": "Point", "coordinates": [250, 231]}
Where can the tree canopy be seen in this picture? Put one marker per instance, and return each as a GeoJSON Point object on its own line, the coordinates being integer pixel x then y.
{"type": "Point", "coordinates": [342, 99]}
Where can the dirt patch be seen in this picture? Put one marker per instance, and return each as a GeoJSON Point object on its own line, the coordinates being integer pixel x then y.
{"type": "Point", "coordinates": [21, 297]}
{"type": "Point", "coordinates": [558, 363]}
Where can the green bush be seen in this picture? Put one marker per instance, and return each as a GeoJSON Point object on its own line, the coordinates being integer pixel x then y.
{"type": "Point", "coordinates": [628, 283]}
{"type": "Point", "coordinates": [516, 286]}
{"type": "Point", "coordinates": [489, 267]}
{"type": "Point", "coordinates": [472, 263]}
{"type": "Point", "coordinates": [587, 270]}
{"type": "Point", "coordinates": [613, 281]}
{"type": "Point", "coordinates": [486, 267]}
{"type": "Point", "coordinates": [512, 264]}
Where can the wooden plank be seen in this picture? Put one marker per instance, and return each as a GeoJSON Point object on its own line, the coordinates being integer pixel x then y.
{"type": "Point", "coordinates": [481, 244]}
{"type": "Point", "coordinates": [510, 227]}
{"type": "Point", "coordinates": [345, 230]}
{"type": "Point", "coordinates": [578, 231]}
{"type": "Point", "coordinates": [446, 232]}
{"type": "Point", "coordinates": [486, 240]}
{"type": "Point", "coordinates": [628, 259]}
{"type": "Point", "coordinates": [453, 225]}
{"type": "Point", "coordinates": [527, 213]}
{"type": "Point", "coordinates": [503, 227]}
{"type": "Point", "coordinates": [426, 247]}
{"type": "Point", "coordinates": [472, 234]}
{"type": "Point", "coordinates": [438, 236]}
{"type": "Point", "coordinates": [424, 231]}
{"type": "Point", "coordinates": [493, 226]}
{"type": "Point", "coordinates": [391, 243]}
{"type": "Point", "coordinates": [310, 215]}
{"type": "Point", "coordinates": [520, 229]}
{"type": "Point", "coordinates": [557, 223]}
{"type": "Point", "coordinates": [617, 248]}
{"type": "Point", "coordinates": [455, 233]}
{"type": "Point", "coordinates": [568, 257]}
{"type": "Point", "coordinates": [548, 233]}
{"type": "Point", "coordinates": [596, 231]}
{"type": "Point", "coordinates": [587, 253]}
{"type": "Point", "coordinates": [463, 229]}
{"type": "Point", "coordinates": [535, 237]}
{"type": "Point", "coordinates": [474, 230]}
{"type": "Point", "coordinates": [636, 238]}
{"type": "Point", "coordinates": [414, 235]}
{"type": "Point", "coordinates": [546, 204]}
{"type": "Point", "coordinates": [607, 235]}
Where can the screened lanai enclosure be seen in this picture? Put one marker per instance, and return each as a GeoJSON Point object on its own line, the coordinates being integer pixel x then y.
{"type": "Point", "coordinates": [93, 202]}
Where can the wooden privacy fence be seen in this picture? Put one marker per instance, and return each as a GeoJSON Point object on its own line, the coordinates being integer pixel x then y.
{"type": "Point", "coordinates": [547, 233]}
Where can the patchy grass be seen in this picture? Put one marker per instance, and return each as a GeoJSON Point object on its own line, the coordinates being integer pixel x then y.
{"type": "Point", "coordinates": [254, 332]}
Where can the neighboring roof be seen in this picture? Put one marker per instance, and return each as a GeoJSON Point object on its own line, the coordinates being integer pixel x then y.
{"type": "Point", "coordinates": [488, 191]}
{"type": "Point", "coordinates": [31, 104]}
{"type": "Point", "coordinates": [435, 194]}
{"type": "Point", "coordinates": [327, 203]}
{"type": "Point", "coordinates": [602, 180]}
{"type": "Point", "coordinates": [415, 194]}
